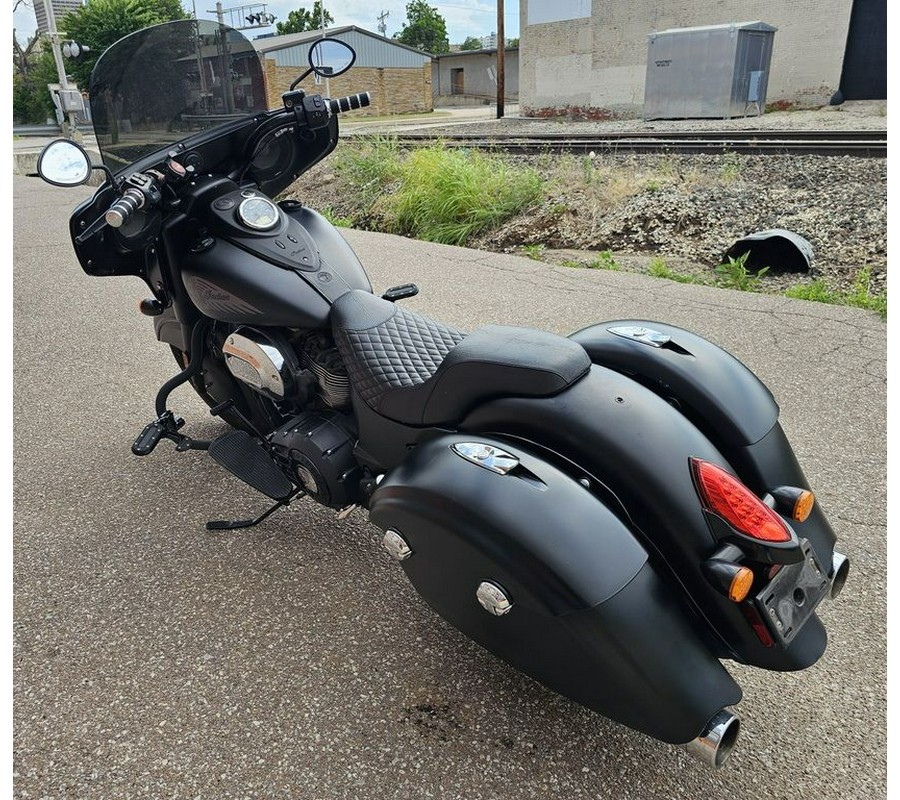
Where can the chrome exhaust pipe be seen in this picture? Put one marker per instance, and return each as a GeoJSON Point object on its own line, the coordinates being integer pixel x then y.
{"type": "Point", "coordinates": [715, 743]}
{"type": "Point", "coordinates": [840, 566]}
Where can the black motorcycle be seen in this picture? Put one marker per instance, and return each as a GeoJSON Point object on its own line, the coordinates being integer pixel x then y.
{"type": "Point", "coordinates": [613, 513]}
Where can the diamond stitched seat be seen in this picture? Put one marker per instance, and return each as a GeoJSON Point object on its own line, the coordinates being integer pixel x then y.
{"type": "Point", "coordinates": [418, 371]}
{"type": "Point", "coordinates": [388, 350]}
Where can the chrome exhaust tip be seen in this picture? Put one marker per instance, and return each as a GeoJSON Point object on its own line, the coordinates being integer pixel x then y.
{"type": "Point", "coordinates": [715, 743]}
{"type": "Point", "coordinates": [840, 566]}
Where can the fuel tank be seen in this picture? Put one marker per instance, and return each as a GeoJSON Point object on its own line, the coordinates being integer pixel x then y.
{"type": "Point", "coordinates": [260, 263]}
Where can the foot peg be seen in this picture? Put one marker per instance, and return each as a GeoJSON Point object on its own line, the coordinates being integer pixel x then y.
{"type": "Point", "coordinates": [167, 425]}
{"type": "Point", "coordinates": [400, 292]}
{"type": "Point", "coordinates": [245, 458]}
{"type": "Point", "coordinates": [148, 439]}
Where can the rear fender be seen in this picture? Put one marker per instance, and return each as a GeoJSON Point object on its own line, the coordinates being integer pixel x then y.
{"type": "Point", "coordinates": [636, 445]}
{"type": "Point", "coordinates": [711, 387]}
{"type": "Point", "coordinates": [590, 618]}
{"type": "Point", "coordinates": [720, 396]}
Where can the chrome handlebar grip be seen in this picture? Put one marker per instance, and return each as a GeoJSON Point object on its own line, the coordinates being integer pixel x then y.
{"type": "Point", "coordinates": [120, 212]}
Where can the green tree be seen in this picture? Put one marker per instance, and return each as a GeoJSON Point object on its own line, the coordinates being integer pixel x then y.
{"type": "Point", "coordinates": [31, 97]}
{"type": "Point", "coordinates": [513, 43]}
{"type": "Point", "coordinates": [471, 43]}
{"type": "Point", "coordinates": [100, 23]}
{"type": "Point", "coordinates": [425, 28]}
{"type": "Point", "coordinates": [300, 20]}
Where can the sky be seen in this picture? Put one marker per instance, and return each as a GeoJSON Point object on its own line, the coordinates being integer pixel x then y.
{"type": "Point", "coordinates": [464, 17]}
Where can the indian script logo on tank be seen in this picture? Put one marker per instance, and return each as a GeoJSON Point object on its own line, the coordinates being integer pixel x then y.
{"type": "Point", "coordinates": [219, 299]}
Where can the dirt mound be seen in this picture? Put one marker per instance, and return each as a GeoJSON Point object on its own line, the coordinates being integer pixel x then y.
{"type": "Point", "coordinates": [685, 210]}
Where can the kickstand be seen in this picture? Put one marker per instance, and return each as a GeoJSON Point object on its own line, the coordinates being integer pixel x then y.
{"type": "Point", "coordinates": [231, 525]}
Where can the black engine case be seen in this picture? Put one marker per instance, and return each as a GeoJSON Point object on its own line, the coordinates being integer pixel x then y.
{"type": "Point", "coordinates": [317, 448]}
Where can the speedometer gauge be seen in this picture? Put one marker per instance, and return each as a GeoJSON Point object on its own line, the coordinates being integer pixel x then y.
{"type": "Point", "coordinates": [258, 213]}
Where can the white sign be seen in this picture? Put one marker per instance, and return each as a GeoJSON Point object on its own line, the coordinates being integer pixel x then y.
{"type": "Point", "coordinates": [557, 10]}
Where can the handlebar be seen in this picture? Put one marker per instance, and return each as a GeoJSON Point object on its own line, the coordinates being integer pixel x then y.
{"type": "Point", "coordinates": [144, 188]}
{"type": "Point", "coordinates": [119, 212]}
{"type": "Point", "coordinates": [349, 103]}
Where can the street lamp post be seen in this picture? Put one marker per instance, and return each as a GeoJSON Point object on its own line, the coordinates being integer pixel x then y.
{"type": "Point", "coordinates": [69, 129]}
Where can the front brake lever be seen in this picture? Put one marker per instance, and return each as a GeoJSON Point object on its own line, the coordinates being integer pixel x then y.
{"type": "Point", "coordinates": [91, 229]}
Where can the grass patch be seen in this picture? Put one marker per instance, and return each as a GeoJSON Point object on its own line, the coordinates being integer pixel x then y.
{"type": "Point", "coordinates": [817, 291]}
{"type": "Point", "coordinates": [859, 296]}
{"type": "Point", "coordinates": [335, 219]}
{"type": "Point", "coordinates": [731, 167]}
{"type": "Point", "coordinates": [434, 193]}
{"type": "Point", "coordinates": [533, 251]}
{"type": "Point", "coordinates": [658, 269]}
{"type": "Point", "coordinates": [448, 195]}
{"type": "Point", "coordinates": [605, 260]}
{"type": "Point", "coordinates": [369, 166]}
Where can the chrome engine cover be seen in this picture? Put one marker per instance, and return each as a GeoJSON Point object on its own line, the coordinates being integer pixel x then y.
{"type": "Point", "coordinates": [262, 361]}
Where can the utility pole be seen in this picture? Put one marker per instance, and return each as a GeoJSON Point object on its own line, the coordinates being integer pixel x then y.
{"type": "Point", "coordinates": [68, 129]}
{"type": "Point", "coordinates": [322, 17]}
{"type": "Point", "coordinates": [382, 25]}
{"type": "Point", "coordinates": [501, 54]}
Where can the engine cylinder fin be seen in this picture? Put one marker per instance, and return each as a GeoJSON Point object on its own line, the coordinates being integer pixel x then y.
{"type": "Point", "coordinates": [327, 366]}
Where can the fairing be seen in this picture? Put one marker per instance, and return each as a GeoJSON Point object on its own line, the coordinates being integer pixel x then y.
{"type": "Point", "coordinates": [163, 83]}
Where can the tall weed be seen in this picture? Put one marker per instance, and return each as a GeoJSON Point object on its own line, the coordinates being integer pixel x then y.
{"type": "Point", "coordinates": [448, 195]}
{"type": "Point", "coordinates": [369, 166]}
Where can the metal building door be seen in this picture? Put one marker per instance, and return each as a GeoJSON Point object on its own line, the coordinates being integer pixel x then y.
{"type": "Point", "coordinates": [864, 76]}
{"type": "Point", "coordinates": [457, 82]}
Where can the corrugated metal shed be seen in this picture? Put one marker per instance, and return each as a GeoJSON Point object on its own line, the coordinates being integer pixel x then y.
{"type": "Point", "coordinates": [372, 50]}
{"type": "Point", "coordinates": [714, 71]}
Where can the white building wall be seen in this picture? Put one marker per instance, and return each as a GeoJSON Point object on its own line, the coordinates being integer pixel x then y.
{"type": "Point", "coordinates": [589, 57]}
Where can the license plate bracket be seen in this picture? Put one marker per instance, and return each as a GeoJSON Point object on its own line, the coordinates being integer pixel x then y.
{"type": "Point", "coordinates": [792, 596]}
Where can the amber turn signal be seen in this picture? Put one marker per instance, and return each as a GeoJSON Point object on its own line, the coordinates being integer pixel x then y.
{"type": "Point", "coordinates": [740, 585]}
{"type": "Point", "coordinates": [732, 580]}
{"type": "Point", "coordinates": [794, 502]}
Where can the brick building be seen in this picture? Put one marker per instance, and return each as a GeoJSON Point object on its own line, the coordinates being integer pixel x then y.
{"type": "Point", "coordinates": [397, 77]}
{"type": "Point", "coordinates": [589, 57]}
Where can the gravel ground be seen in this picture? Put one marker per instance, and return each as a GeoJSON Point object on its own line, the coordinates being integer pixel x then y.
{"type": "Point", "coordinates": [685, 210]}
{"type": "Point", "coordinates": [688, 210]}
{"type": "Point", "coordinates": [853, 115]}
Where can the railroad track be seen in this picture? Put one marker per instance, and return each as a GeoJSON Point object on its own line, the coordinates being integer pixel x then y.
{"type": "Point", "coordinates": [870, 144]}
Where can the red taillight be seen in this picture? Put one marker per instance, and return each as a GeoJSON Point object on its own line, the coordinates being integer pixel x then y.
{"type": "Point", "coordinates": [759, 627]}
{"type": "Point", "coordinates": [725, 495]}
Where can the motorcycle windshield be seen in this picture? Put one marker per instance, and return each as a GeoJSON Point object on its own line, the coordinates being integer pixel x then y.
{"type": "Point", "coordinates": [164, 83]}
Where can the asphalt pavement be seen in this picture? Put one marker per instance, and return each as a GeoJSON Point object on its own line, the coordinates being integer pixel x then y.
{"type": "Point", "coordinates": [154, 659]}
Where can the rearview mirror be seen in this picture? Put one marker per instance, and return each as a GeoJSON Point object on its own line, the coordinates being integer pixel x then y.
{"type": "Point", "coordinates": [331, 57]}
{"type": "Point", "coordinates": [64, 163]}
